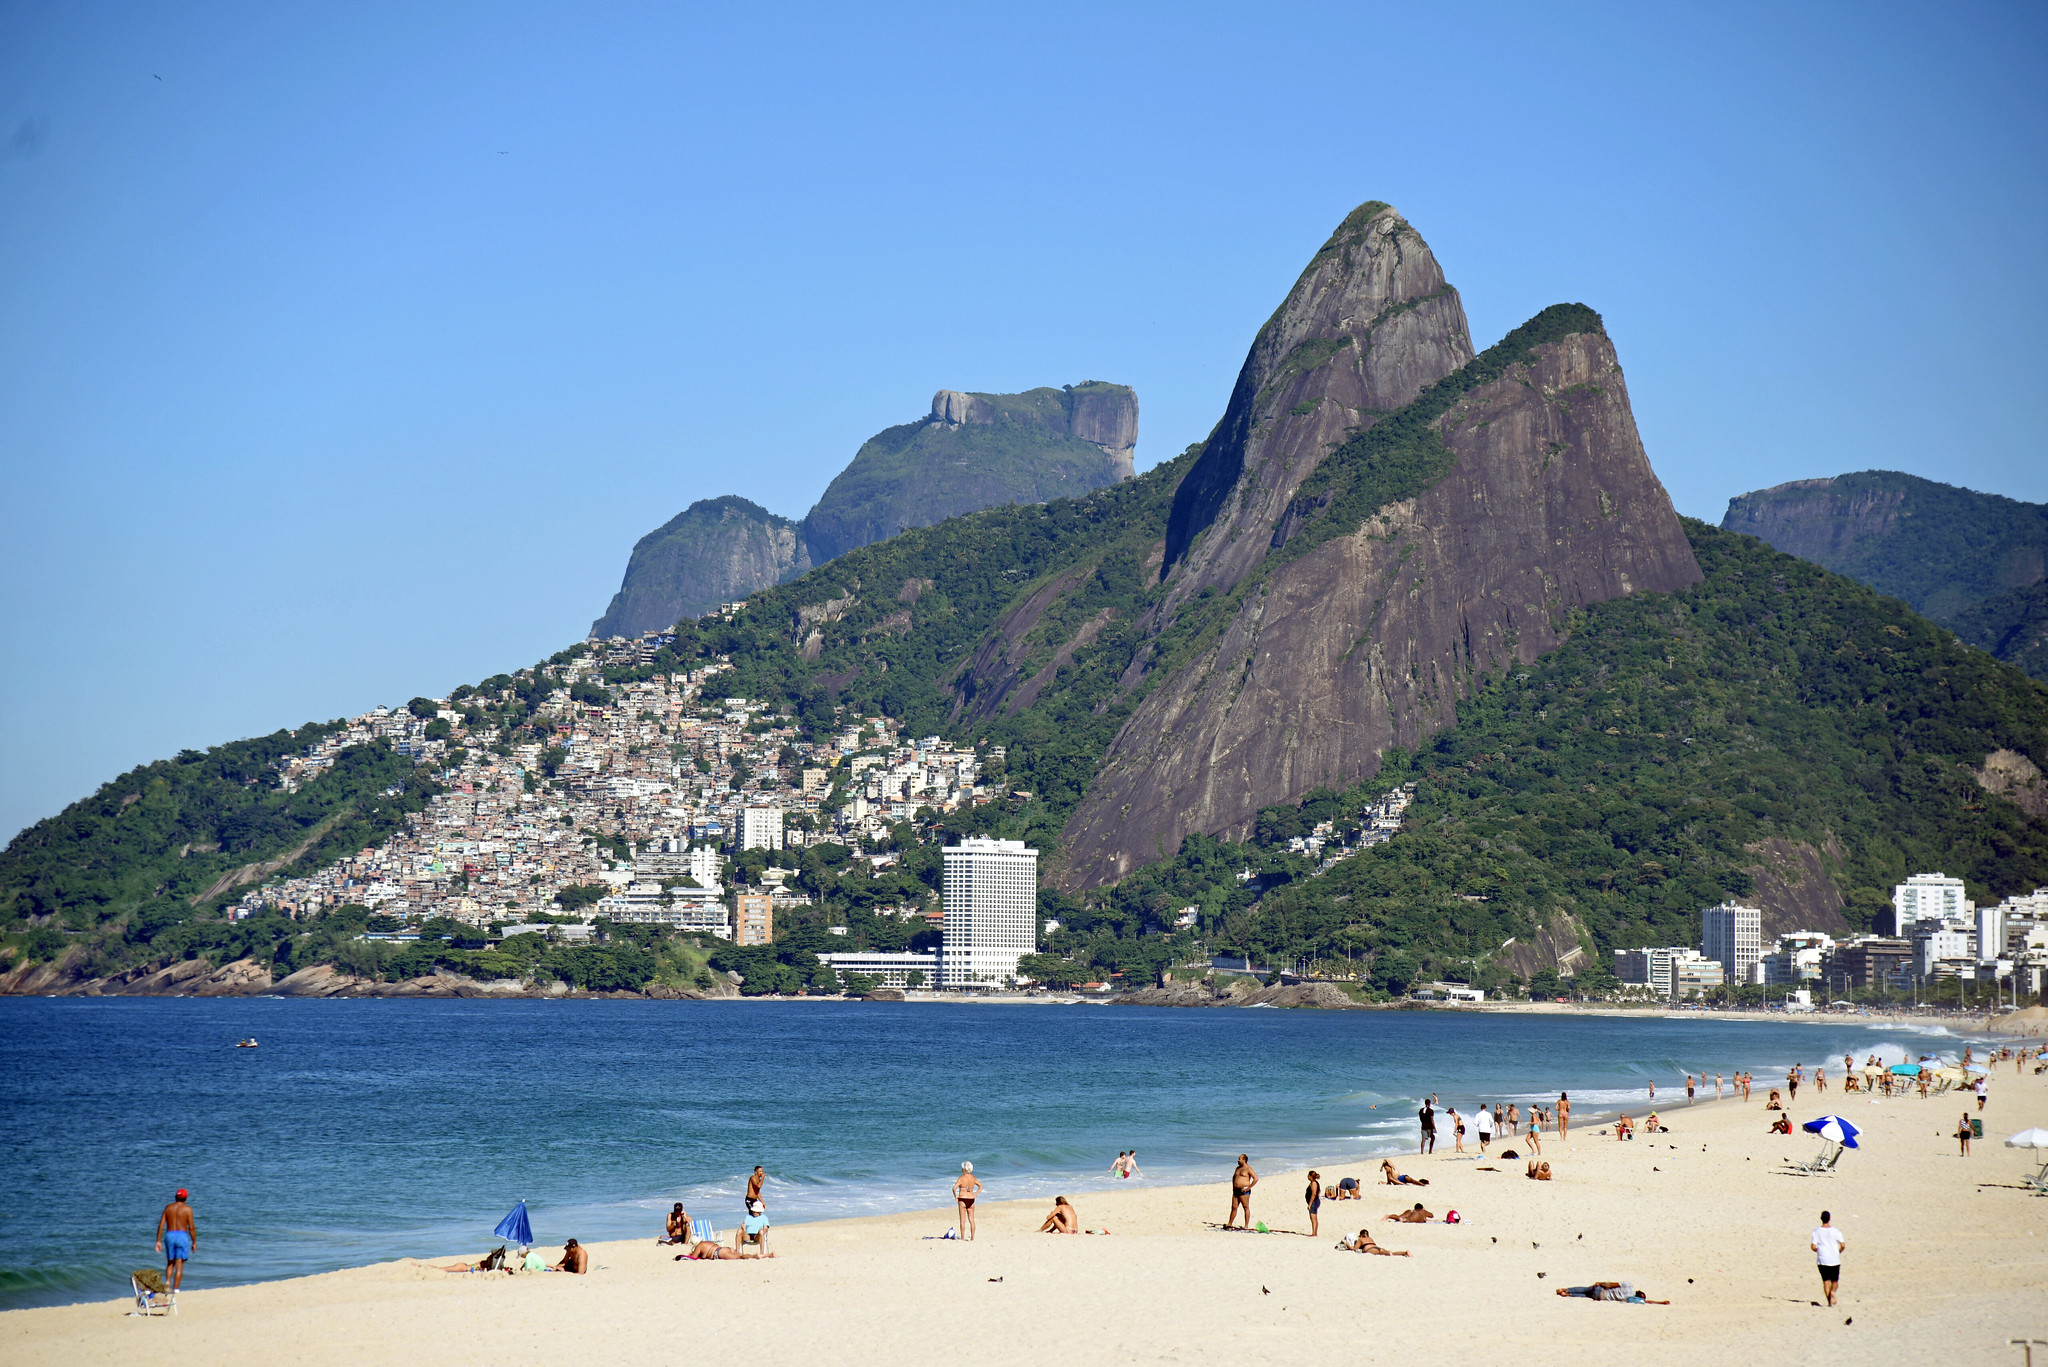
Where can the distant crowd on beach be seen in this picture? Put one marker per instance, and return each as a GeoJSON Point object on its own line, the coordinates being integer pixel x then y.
{"type": "Point", "coordinates": [177, 1230]}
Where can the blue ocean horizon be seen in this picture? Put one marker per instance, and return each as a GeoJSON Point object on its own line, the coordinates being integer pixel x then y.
{"type": "Point", "coordinates": [366, 1130]}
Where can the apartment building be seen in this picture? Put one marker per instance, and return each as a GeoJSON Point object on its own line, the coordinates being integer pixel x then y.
{"type": "Point", "coordinates": [990, 900]}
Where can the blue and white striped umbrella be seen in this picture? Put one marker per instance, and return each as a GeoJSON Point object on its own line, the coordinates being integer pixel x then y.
{"type": "Point", "coordinates": [1835, 1128]}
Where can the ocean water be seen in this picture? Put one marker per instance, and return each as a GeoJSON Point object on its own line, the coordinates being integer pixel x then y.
{"type": "Point", "coordinates": [368, 1130]}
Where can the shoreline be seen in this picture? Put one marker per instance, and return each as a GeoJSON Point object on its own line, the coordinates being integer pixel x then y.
{"type": "Point", "coordinates": [1166, 1283]}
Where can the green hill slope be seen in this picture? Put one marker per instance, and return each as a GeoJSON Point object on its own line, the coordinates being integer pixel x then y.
{"type": "Point", "coordinates": [1972, 561]}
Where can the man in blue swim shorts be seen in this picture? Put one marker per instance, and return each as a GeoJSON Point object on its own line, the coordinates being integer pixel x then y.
{"type": "Point", "coordinates": [175, 1237]}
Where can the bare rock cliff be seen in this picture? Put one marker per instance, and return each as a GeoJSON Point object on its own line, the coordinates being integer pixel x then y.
{"type": "Point", "coordinates": [1368, 325]}
{"type": "Point", "coordinates": [1370, 639]}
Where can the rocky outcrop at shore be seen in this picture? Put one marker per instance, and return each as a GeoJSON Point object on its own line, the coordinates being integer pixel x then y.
{"type": "Point", "coordinates": [1241, 992]}
{"type": "Point", "coordinates": [248, 978]}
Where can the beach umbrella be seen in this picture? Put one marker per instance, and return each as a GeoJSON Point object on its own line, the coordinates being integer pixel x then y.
{"type": "Point", "coordinates": [515, 1228]}
{"type": "Point", "coordinates": [1835, 1128]}
{"type": "Point", "coordinates": [2037, 1140]}
{"type": "Point", "coordinates": [1906, 1069]}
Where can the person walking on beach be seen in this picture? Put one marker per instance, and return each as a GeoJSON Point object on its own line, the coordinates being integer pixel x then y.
{"type": "Point", "coordinates": [1427, 1117]}
{"type": "Point", "coordinates": [1792, 1083]}
{"type": "Point", "coordinates": [176, 1237]}
{"type": "Point", "coordinates": [1535, 1144]}
{"type": "Point", "coordinates": [1688, 1089]}
{"type": "Point", "coordinates": [1980, 1093]}
{"type": "Point", "coordinates": [1827, 1244]}
{"type": "Point", "coordinates": [1457, 1128]}
{"type": "Point", "coordinates": [965, 1188]}
{"type": "Point", "coordinates": [1820, 1079]}
{"type": "Point", "coordinates": [1717, 1086]}
{"type": "Point", "coordinates": [1241, 1183]}
{"type": "Point", "coordinates": [1484, 1122]}
{"type": "Point", "coordinates": [1314, 1197]}
{"type": "Point", "coordinates": [1564, 1114]}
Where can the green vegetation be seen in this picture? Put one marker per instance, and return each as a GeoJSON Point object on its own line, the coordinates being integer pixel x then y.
{"type": "Point", "coordinates": [1975, 562]}
{"type": "Point", "coordinates": [164, 842]}
{"type": "Point", "coordinates": [1623, 779]}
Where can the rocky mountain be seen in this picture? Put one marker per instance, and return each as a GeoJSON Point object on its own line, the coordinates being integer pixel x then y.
{"type": "Point", "coordinates": [1356, 628]}
{"type": "Point", "coordinates": [971, 451]}
{"type": "Point", "coordinates": [1395, 563]}
{"type": "Point", "coordinates": [717, 550]}
{"type": "Point", "coordinates": [975, 451]}
{"type": "Point", "coordinates": [1977, 563]}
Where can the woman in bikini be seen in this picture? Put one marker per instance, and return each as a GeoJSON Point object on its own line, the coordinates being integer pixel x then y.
{"type": "Point", "coordinates": [965, 1189]}
{"type": "Point", "coordinates": [1364, 1244]}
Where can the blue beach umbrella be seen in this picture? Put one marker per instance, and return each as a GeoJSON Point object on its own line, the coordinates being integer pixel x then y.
{"type": "Point", "coordinates": [1834, 1128]}
{"type": "Point", "coordinates": [1906, 1069]}
{"type": "Point", "coordinates": [515, 1228]}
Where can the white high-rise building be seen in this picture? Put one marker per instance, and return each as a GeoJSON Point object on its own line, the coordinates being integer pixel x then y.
{"type": "Point", "coordinates": [1926, 896]}
{"type": "Point", "coordinates": [1990, 934]}
{"type": "Point", "coordinates": [990, 897]}
{"type": "Point", "coordinates": [705, 866]}
{"type": "Point", "coordinates": [760, 828]}
{"type": "Point", "coordinates": [1733, 937]}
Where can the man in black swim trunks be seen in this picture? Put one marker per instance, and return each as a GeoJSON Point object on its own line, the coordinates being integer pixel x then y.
{"type": "Point", "coordinates": [1241, 1183]}
{"type": "Point", "coordinates": [1428, 1119]}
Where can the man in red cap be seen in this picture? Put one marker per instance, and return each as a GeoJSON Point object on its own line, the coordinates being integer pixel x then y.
{"type": "Point", "coordinates": [176, 1236]}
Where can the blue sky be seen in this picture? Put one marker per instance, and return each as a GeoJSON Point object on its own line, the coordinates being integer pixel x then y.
{"type": "Point", "coordinates": [346, 350]}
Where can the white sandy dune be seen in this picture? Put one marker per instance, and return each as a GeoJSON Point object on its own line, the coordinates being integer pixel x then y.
{"type": "Point", "coordinates": [1947, 1260]}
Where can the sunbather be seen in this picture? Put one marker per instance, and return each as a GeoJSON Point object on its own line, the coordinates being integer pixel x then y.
{"type": "Point", "coordinates": [490, 1262]}
{"type": "Point", "coordinates": [708, 1251]}
{"type": "Point", "coordinates": [1390, 1178]}
{"type": "Point", "coordinates": [1609, 1291]}
{"type": "Point", "coordinates": [1624, 1128]}
{"type": "Point", "coordinates": [1364, 1244]}
{"type": "Point", "coordinates": [1538, 1171]}
{"type": "Point", "coordinates": [678, 1227]}
{"type": "Point", "coordinates": [753, 1230]}
{"type": "Point", "coordinates": [1063, 1220]}
{"type": "Point", "coordinates": [1413, 1216]}
{"type": "Point", "coordinates": [1774, 1104]}
{"type": "Point", "coordinates": [575, 1258]}
{"type": "Point", "coordinates": [1782, 1125]}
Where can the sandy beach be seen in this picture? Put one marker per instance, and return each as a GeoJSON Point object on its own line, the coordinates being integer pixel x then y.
{"type": "Point", "coordinates": [1946, 1255]}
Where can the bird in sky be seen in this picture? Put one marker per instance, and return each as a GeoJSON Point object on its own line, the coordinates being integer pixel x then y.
{"type": "Point", "coordinates": [154, 74]}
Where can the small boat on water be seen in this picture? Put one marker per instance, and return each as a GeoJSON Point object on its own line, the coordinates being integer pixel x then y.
{"type": "Point", "coordinates": [245, 1044]}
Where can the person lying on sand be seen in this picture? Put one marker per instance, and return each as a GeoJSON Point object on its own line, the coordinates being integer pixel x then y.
{"type": "Point", "coordinates": [1364, 1244]}
{"type": "Point", "coordinates": [490, 1262]}
{"type": "Point", "coordinates": [1063, 1220]}
{"type": "Point", "coordinates": [575, 1258]}
{"type": "Point", "coordinates": [1415, 1216]}
{"type": "Point", "coordinates": [1390, 1178]}
{"type": "Point", "coordinates": [1538, 1171]}
{"type": "Point", "coordinates": [1609, 1291]}
{"type": "Point", "coordinates": [1782, 1125]}
{"type": "Point", "coordinates": [708, 1251]}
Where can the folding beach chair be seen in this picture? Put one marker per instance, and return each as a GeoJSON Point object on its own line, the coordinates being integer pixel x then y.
{"type": "Point", "coordinates": [1822, 1163]}
{"type": "Point", "coordinates": [152, 1297]}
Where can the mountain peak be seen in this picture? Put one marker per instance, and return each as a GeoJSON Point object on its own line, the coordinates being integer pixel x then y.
{"type": "Point", "coordinates": [1367, 326]}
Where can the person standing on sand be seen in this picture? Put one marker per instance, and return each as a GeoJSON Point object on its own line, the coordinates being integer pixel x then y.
{"type": "Point", "coordinates": [1457, 1128]}
{"type": "Point", "coordinates": [1314, 1197]}
{"type": "Point", "coordinates": [1820, 1079]}
{"type": "Point", "coordinates": [965, 1188]}
{"type": "Point", "coordinates": [1963, 1134]}
{"type": "Point", "coordinates": [1428, 1119]}
{"type": "Point", "coordinates": [1564, 1114]}
{"type": "Point", "coordinates": [1827, 1244]}
{"type": "Point", "coordinates": [1717, 1086]}
{"type": "Point", "coordinates": [1241, 1183]}
{"type": "Point", "coordinates": [1535, 1144]}
{"type": "Point", "coordinates": [177, 1237]}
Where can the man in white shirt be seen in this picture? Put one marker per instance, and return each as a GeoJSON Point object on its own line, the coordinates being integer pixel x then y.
{"type": "Point", "coordinates": [1484, 1123]}
{"type": "Point", "coordinates": [1827, 1244]}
